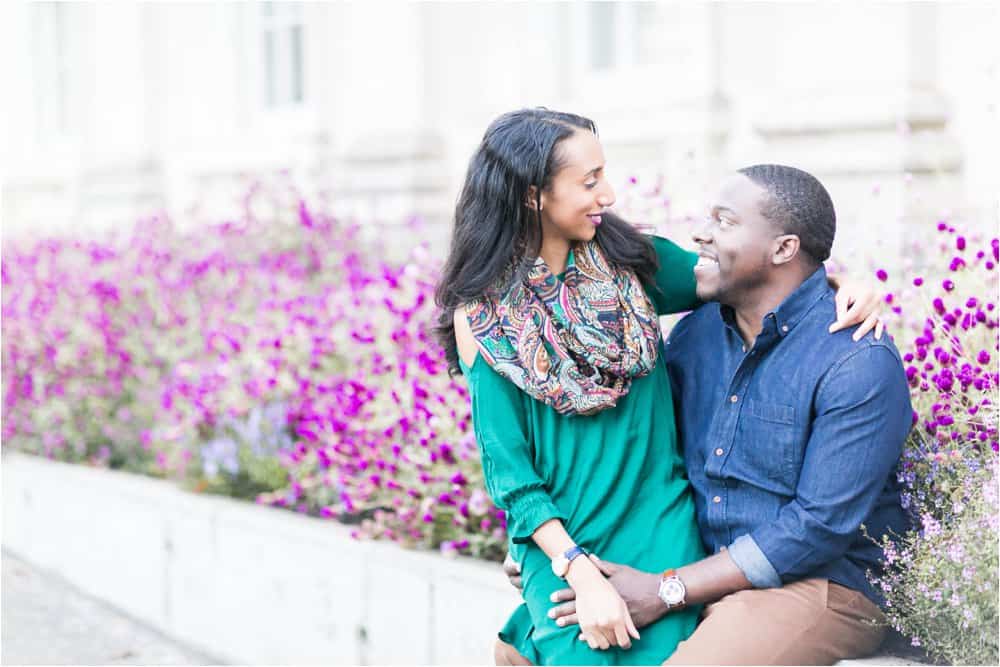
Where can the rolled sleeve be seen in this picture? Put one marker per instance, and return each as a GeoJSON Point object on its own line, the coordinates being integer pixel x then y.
{"type": "Point", "coordinates": [502, 435]}
{"type": "Point", "coordinates": [863, 416]}
{"type": "Point", "coordinates": [751, 560]}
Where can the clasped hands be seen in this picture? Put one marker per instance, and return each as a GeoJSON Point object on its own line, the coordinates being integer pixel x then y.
{"type": "Point", "coordinates": [638, 590]}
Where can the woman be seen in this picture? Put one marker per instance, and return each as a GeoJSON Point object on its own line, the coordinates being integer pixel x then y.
{"type": "Point", "coordinates": [550, 309]}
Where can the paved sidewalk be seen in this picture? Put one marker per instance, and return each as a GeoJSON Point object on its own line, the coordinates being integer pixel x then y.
{"type": "Point", "coordinates": [48, 622]}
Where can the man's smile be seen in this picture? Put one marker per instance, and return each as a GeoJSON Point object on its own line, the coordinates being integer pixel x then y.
{"type": "Point", "coordinates": [706, 260]}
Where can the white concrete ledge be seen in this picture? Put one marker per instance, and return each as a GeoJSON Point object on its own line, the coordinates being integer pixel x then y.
{"type": "Point", "coordinates": [246, 583]}
{"type": "Point", "coordinates": [252, 584]}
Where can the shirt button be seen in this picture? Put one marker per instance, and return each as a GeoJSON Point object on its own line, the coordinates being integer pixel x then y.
{"type": "Point", "coordinates": [718, 452]}
{"type": "Point", "coordinates": [784, 327]}
{"type": "Point", "coordinates": [717, 499]}
{"type": "Point", "coordinates": [733, 398]}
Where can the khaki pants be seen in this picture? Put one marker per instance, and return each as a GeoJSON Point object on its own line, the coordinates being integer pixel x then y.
{"type": "Point", "coordinates": [808, 622]}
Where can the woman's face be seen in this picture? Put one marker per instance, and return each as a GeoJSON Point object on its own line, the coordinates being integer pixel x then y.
{"type": "Point", "coordinates": [579, 192]}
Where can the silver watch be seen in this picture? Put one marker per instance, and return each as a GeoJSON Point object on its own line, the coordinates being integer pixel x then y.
{"type": "Point", "coordinates": [672, 590]}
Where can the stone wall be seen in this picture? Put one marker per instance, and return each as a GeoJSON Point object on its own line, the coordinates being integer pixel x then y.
{"type": "Point", "coordinates": [252, 584]}
{"type": "Point", "coordinates": [246, 583]}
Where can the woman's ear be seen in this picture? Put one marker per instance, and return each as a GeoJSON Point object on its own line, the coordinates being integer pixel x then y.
{"type": "Point", "coordinates": [786, 248]}
{"type": "Point", "coordinates": [532, 200]}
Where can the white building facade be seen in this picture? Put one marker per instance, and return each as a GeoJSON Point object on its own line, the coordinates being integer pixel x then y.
{"type": "Point", "coordinates": [122, 109]}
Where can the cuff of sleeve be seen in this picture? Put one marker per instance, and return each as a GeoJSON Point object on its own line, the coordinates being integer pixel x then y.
{"type": "Point", "coordinates": [528, 513]}
{"type": "Point", "coordinates": [754, 564]}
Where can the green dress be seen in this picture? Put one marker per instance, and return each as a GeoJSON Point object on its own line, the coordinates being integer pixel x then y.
{"type": "Point", "coordinates": [616, 479]}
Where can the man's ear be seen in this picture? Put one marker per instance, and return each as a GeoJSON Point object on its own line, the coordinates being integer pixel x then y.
{"type": "Point", "coordinates": [532, 200]}
{"type": "Point", "coordinates": [785, 249]}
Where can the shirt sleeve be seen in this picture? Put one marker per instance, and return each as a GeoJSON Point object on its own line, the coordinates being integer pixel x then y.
{"type": "Point", "coordinates": [863, 416]}
{"type": "Point", "coordinates": [673, 287]}
{"type": "Point", "coordinates": [504, 441]}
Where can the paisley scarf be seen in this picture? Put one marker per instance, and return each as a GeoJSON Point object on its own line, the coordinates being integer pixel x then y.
{"type": "Point", "coordinates": [574, 344]}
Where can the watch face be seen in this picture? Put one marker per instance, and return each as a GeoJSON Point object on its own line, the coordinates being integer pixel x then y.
{"type": "Point", "coordinates": [672, 591]}
{"type": "Point", "coordinates": [560, 566]}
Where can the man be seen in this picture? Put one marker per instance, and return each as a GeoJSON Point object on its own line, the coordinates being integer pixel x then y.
{"type": "Point", "coordinates": [791, 437]}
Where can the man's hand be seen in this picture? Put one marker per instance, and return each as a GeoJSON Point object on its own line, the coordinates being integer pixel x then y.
{"type": "Point", "coordinates": [513, 571]}
{"type": "Point", "coordinates": [638, 589]}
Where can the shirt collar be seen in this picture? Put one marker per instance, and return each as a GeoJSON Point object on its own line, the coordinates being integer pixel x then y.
{"type": "Point", "coordinates": [795, 306]}
{"type": "Point", "coordinates": [790, 311]}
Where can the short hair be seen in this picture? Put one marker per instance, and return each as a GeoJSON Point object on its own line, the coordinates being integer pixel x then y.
{"type": "Point", "coordinates": [798, 204]}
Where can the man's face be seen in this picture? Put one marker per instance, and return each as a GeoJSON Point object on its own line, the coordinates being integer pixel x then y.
{"type": "Point", "coordinates": [736, 243]}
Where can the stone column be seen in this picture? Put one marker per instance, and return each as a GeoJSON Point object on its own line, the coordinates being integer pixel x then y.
{"type": "Point", "coordinates": [120, 174]}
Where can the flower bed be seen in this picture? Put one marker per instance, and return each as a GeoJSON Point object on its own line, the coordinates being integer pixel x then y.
{"type": "Point", "coordinates": [275, 357]}
{"type": "Point", "coordinates": [272, 357]}
{"type": "Point", "coordinates": [941, 579]}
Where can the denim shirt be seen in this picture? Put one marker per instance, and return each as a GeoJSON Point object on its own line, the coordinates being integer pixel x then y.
{"type": "Point", "coordinates": [791, 446]}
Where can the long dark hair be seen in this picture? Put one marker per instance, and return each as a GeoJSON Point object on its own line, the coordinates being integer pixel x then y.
{"type": "Point", "coordinates": [497, 237]}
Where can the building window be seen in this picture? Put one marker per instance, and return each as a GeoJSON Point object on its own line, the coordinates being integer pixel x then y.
{"type": "Point", "coordinates": [625, 34]}
{"type": "Point", "coordinates": [281, 49]}
{"type": "Point", "coordinates": [51, 69]}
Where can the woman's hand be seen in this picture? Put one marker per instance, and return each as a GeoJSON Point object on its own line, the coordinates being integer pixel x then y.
{"type": "Point", "coordinates": [857, 303]}
{"type": "Point", "coordinates": [604, 619]}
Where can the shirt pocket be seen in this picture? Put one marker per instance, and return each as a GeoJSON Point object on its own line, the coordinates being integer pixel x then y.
{"type": "Point", "coordinates": [772, 412]}
{"type": "Point", "coordinates": [768, 430]}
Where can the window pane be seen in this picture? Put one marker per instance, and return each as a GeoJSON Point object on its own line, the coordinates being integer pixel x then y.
{"type": "Point", "coordinates": [270, 79]}
{"type": "Point", "coordinates": [601, 17]}
{"type": "Point", "coordinates": [296, 63]}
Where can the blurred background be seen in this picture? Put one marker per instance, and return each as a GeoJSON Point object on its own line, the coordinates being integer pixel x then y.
{"type": "Point", "coordinates": [122, 108]}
